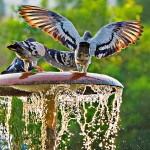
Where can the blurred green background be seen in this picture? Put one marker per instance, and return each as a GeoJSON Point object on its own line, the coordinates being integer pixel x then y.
{"type": "Point", "coordinates": [131, 66]}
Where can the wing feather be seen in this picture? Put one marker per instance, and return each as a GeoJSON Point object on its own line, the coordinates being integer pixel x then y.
{"type": "Point", "coordinates": [114, 37]}
{"type": "Point", "coordinates": [55, 25]}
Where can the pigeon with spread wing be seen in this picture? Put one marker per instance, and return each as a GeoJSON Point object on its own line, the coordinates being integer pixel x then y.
{"type": "Point", "coordinates": [108, 40]}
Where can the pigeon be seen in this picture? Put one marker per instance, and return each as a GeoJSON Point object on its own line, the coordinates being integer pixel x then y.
{"type": "Point", "coordinates": [29, 51]}
{"type": "Point", "coordinates": [110, 39]}
{"type": "Point", "coordinates": [16, 66]}
{"type": "Point", "coordinates": [62, 60]}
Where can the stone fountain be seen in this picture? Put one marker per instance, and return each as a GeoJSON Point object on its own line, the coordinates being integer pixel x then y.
{"type": "Point", "coordinates": [66, 110]}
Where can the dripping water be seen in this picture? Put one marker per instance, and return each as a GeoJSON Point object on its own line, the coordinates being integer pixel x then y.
{"type": "Point", "coordinates": [84, 116]}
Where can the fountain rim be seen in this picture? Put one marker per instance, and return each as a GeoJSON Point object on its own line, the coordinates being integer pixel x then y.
{"type": "Point", "coordinates": [30, 78]}
{"type": "Point", "coordinates": [24, 84]}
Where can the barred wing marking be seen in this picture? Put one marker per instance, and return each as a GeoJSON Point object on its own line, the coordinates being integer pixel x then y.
{"type": "Point", "coordinates": [114, 37]}
{"type": "Point", "coordinates": [60, 59]}
{"type": "Point", "coordinates": [55, 25]}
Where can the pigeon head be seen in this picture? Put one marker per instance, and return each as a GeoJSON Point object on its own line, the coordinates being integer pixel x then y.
{"type": "Point", "coordinates": [87, 35]}
{"type": "Point", "coordinates": [30, 39]}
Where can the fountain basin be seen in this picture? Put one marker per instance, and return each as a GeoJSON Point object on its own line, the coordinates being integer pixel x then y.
{"type": "Point", "coordinates": [58, 100]}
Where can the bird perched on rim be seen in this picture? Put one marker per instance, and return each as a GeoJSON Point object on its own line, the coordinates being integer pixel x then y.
{"type": "Point", "coordinates": [29, 51]}
{"type": "Point", "coordinates": [108, 40]}
{"type": "Point", "coordinates": [16, 66]}
{"type": "Point", "coordinates": [62, 60]}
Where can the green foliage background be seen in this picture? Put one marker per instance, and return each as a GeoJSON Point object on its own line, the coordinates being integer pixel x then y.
{"type": "Point", "coordinates": [131, 66]}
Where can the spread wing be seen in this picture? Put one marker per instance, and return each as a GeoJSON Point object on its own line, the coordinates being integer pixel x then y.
{"type": "Point", "coordinates": [55, 25]}
{"type": "Point", "coordinates": [114, 37]}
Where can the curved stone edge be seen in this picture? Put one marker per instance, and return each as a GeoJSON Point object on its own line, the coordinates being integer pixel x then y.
{"type": "Point", "coordinates": [16, 84]}
{"type": "Point", "coordinates": [57, 78]}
